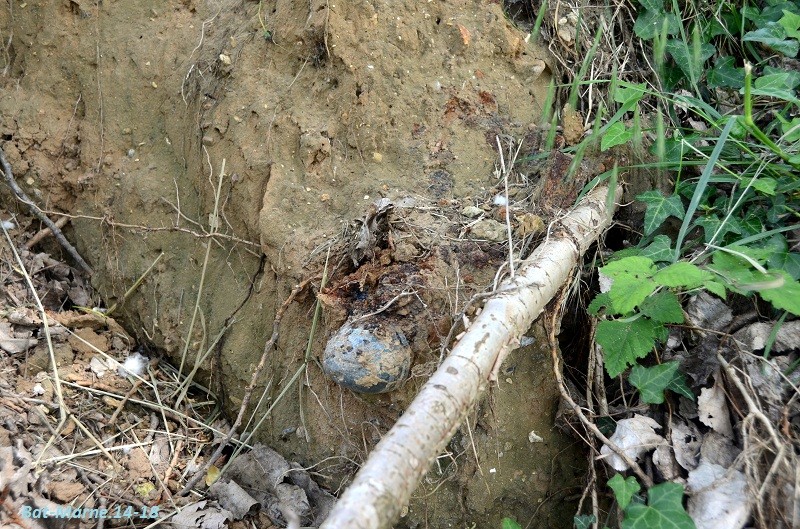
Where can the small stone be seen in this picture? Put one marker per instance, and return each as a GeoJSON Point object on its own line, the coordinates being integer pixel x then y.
{"type": "Point", "coordinates": [378, 157]}
{"type": "Point", "coordinates": [208, 140]}
{"type": "Point", "coordinates": [489, 229]}
{"type": "Point", "coordinates": [224, 59]}
{"type": "Point", "coordinates": [472, 211]}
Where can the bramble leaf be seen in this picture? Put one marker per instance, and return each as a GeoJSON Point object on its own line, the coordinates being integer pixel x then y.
{"type": "Point", "coordinates": [629, 292]}
{"type": "Point", "coordinates": [785, 296]}
{"type": "Point", "coordinates": [624, 489]}
{"type": "Point", "coordinates": [716, 288]}
{"type": "Point", "coordinates": [625, 341]}
{"type": "Point", "coordinates": [659, 208]}
{"type": "Point", "coordinates": [681, 275]}
{"type": "Point", "coordinates": [583, 521]}
{"type": "Point", "coordinates": [652, 381]}
{"type": "Point", "coordinates": [664, 510]}
{"type": "Point", "coordinates": [663, 307]}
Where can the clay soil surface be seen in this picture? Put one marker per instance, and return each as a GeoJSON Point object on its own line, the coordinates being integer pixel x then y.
{"type": "Point", "coordinates": [216, 154]}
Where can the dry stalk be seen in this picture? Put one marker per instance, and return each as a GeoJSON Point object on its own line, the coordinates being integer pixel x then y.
{"type": "Point", "coordinates": [23, 197]}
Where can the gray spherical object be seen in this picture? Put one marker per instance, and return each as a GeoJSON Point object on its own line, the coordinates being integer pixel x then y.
{"type": "Point", "coordinates": [368, 357]}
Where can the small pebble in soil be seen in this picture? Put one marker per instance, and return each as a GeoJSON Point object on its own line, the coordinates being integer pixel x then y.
{"type": "Point", "coordinates": [368, 356]}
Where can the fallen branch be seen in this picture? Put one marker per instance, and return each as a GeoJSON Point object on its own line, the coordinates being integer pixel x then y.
{"type": "Point", "coordinates": [23, 197]}
{"type": "Point", "coordinates": [395, 467]}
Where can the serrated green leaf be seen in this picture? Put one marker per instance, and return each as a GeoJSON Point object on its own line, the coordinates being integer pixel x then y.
{"type": "Point", "coordinates": [624, 489]}
{"type": "Point", "coordinates": [784, 297]}
{"type": "Point", "coordinates": [681, 275]}
{"type": "Point", "coordinates": [584, 521]}
{"type": "Point", "coordinates": [601, 300]}
{"type": "Point", "coordinates": [678, 385]}
{"type": "Point", "coordinates": [626, 341]}
{"type": "Point", "coordinates": [628, 292]}
{"type": "Point", "coordinates": [652, 381]}
{"type": "Point", "coordinates": [616, 134]}
{"type": "Point", "coordinates": [725, 74]}
{"type": "Point", "coordinates": [659, 208]}
{"type": "Point", "coordinates": [634, 266]}
{"type": "Point", "coordinates": [773, 36]}
{"type": "Point", "coordinates": [663, 307]}
{"type": "Point", "coordinates": [716, 288]}
{"type": "Point", "coordinates": [664, 510]}
{"type": "Point", "coordinates": [509, 523]}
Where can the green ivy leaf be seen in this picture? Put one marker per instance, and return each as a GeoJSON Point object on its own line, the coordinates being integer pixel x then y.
{"type": "Point", "coordinates": [765, 185]}
{"type": "Point", "coordinates": [678, 385]}
{"type": "Point", "coordinates": [664, 510]}
{"type": "Point", "coordinates": [625, 341]}
{"type": "Point", "coordinates": [774, 81]}
{"type": "Point", "coordinates": [663, 307]}
{"type": "Point", "coordinates": [659, 208]}
{"type": "Point", "coordinates": [616, 134]}
{"type": "Point", "coordinates": [624, 489]}
{"type": "Point", "coordinates": [691, 64]}
{"type": "Point", "coordinates": [773, 36]}
{"type": "Point", "coordinates": [652, 381]}
{"type": "Point", "coordinates": [710, 224]}
{"type": "Point", "coordinates": [790, 22]}
{"type": "Point", "coordinates": [629, 93]}
{"type": "Point", "coordinates": [659, 250]}
{"type": "Point", "coordinates": [725, 74]}
{"type": "Point", "coordinates": [652, 5]}
{"type": "Point", "coordinates": [682, 275]}
{"type": "Point", "coordinates": [788, 261]}
{"type": "Point", "coordinates": [790, 129]}
{"type": "Point", "coordinates": [510, 523]}
{"type": "Point", "coordinates": [584, 521]}
{"type": "Point", "coordinates": [650, 23]}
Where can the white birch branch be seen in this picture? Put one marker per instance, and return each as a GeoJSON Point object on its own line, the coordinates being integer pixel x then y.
{"type": "Point", "coordinates": [395, 467]}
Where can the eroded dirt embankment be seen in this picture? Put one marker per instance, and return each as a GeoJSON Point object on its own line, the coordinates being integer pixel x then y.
{"type": "Point", "coordinates": [122, 115]}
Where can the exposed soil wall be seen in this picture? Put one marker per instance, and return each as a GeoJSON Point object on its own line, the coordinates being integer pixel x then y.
{"type": "Point", "coordinates": [121, 115]}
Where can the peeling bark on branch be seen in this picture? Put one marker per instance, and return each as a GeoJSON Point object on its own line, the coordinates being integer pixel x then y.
{"type": "Point", "coordinates": [397, 464]}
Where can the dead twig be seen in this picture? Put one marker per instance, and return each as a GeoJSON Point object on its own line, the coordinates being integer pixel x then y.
{"type": "Point", "coordinates": [23, 197]}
